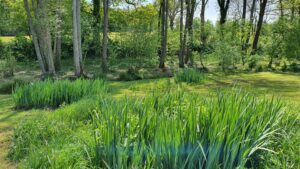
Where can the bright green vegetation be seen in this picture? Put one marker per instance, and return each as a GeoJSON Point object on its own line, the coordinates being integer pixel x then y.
{"type": "Point", "coordinates": [51, 93]}
{"type": "Point", "coordinates": [189, 76]}
{"type": "Point", "coordinates": [7, 39]}
{"type": "Point", "coordinates": [173, 130]}
{"type": "Point", "coordinates": [8, 120]}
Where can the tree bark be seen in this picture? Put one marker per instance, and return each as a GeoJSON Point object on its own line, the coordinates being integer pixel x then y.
{"type": "Point", "coordinates": [57, 44]}
{"type": "Point", "coordinates": [243, 31]}
{"type": "Point", "coordinates": [190, 15]}
{"type": "Point", "coordinates": [263, 4]}
{"type": "Point", "coordinates": [202, 21]}
{"type": "Point", "coordinates": [252, 11]}
{"type": "Point", "coordinates": [181, 52]}
{"type": "Point", "coordinates": [202, 29]}
{"type": "Point", "coordinates": [224, 6]}
{"type": "Point", "coordinates": [45, 36]}
{"type": "Point", "coordinates": [281, 8]}
{"type": "Point", "coordinates": [34, 37]}
{"type": "Point", "coordinates": [105, 36]}
{"type": "Point", "coordinates": [96, 38]}
{"type": "Point", "coordinates": [77, 39]}
{"type": "Point", "coordinates": [164, 33]}
{"type": "Point", "coordinates": [172, 22]}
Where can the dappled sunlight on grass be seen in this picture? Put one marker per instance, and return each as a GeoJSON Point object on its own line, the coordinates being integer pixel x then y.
{"type": "Point", "coordinates": [269, 84]}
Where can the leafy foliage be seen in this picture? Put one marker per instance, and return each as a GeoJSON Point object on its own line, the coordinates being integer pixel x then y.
{"type": "Point", "coordinates": [135, 45]}
{"type": "Point", "coordinates": [292, 41]}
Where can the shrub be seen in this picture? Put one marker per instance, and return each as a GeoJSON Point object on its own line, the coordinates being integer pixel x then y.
{"type": "Point", "coordinates": [253, 62]}
{"type": "Point", "coordinates": [295, 67]}
{"type": "Point", "coordinates": [228, 54]}
{"type": "Point", "coordinates": [130, 75]}
{"type": "Point", "coordinates": [1, 49]}
{"type": "Point", "coordinates": [284, 67]}
{"type": "Point", "coordinates": [53, 93]}
{"type": "Point", "coordinates": [135, 45]}
{"type": "Point", "coordinates": [23, 49]}
{"type": "Point", "coordinates": [259, 68]}
{"type": "Point", "coordinates": [7, 87]}
{"type": "Point", "coordinates": [190, 76]}
{"type": "Point", "coordinates": [10, 62]}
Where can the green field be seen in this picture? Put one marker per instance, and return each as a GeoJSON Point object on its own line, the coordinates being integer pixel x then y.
{"type": "Point", "coordinates": [265, 84]}
{"type": "Point", "coordinates": [149, 84]}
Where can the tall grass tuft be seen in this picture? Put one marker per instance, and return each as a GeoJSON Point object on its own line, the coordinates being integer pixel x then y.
{"type": "Point", "coordinates": [185, 131]}
{"type": "Point", "coordinates": [190, 76]}
{"type": "Point", "coordinates": [173, 130]}
{"type": "Point", "coordinates": [51, 93]}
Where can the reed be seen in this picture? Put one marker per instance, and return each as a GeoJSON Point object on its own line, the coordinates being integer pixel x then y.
{"type": "Point", "coordinates": [51, 93]}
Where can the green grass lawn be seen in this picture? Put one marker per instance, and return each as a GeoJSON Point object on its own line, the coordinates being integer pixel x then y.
{"type": "Point", "coordinates": [8, 120]}
{"type": "Point", "coordinates": [264, 84]}
{"type": "Point", "coordinates": [7, 39]}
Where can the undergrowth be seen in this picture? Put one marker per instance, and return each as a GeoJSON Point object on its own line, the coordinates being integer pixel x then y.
{"type": "Point", "coordinates": [51, 93]}
{"type": "Point", "coordinates": [173, 130]}
{"type": "Point", "coordinates": [190, 75]}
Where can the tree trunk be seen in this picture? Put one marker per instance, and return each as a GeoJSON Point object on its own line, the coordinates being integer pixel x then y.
{"type": "Point", "coordinates": [77, 39]}
{"type": "Point", "coordinates": [105, 36]}
{"type": "Point", "coordinates": [202, 21]}
{"type": "Point", "coordinates": [202, 29]}
{"type": "Point", "coordinates": [281, 8]}
{"type": "Point", "coordinates": [164, 33]}
{"type": "Point", "coordinates": [34, 38]}
{"type": "Point", "coordinates": [292, 11]}
{"type": "Point", "coordinates": [190, 15]}
{"type": "Point", "coordinates": [223, 5]}
{"type": "Point", "coordinates": [243, 31]}
{"type": "Point", "coordinates": [57, 44]}
{"type": "Point", "coordinates": [172, 22]}
{"type": "Point", "coordinates": [252, 11]}
{"type": "Point", "coordinates": [185, 35]}
{"type": "Point", "coordinates": [263, 4]}
{"type": "Point", "coordinates": [45, 36]}
{"type": "Point", "coordinates": [181, 52]}
{"type": "Point", "coordinates": [96, 38]}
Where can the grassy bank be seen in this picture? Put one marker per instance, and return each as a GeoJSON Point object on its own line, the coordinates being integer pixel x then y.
{"type": "Point", "coordinates": [72, 129]}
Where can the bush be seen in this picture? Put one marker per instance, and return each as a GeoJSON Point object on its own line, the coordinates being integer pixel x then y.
{"type": "Point", "coordinates": [23, 49]}
{"type": "Point", "coordinates": [135, 45]}
{"type": "Point", "coordinates": [10, 63]}
{"type": "Point", "coordinates": [1, 49]}
{"type": "Point", "coordinates": [54, 93]}
{"type": "Point", "coordinates": [291, 41]}
{"type": "Point", "coordinates": [259, 68]}
{"type": "Point", "coordinates": [190, 76]}
{"type": "Point", "coordinates": [284, 67]}
{"type": "Point", "coordinates": [252, 63]}
{"type": "Point", "coordinates": [130, 75]}
{"type": "Point", "coordinates": [9, 86]}
{"type": "Point", "coordinates": [295, 67]}
{"type": "Point", "coordinates": [228, 54]}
